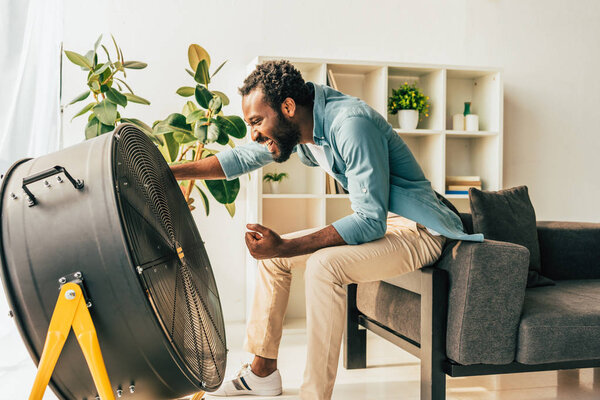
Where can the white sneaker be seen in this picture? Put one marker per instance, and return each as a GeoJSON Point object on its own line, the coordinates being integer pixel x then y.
{"type": "Point", "coordinates": [245, 382]}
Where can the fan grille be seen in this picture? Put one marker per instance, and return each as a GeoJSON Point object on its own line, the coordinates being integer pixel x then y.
{"type": "Point", "coordinates": [181, 290]}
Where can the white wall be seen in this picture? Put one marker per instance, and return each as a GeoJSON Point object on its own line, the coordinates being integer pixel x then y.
{"type": "Point", "coordinates": [549, 52]}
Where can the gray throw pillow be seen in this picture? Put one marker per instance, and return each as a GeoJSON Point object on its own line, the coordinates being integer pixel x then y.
{"type": "Point", "coordinates": [508, 216]}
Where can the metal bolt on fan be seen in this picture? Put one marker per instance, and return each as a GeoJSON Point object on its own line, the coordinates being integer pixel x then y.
{"type": "Point", "coordinates": [108, 215]}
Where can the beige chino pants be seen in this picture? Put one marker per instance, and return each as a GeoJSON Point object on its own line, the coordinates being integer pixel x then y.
{"type": "Point", "coordinates": [406, 246]}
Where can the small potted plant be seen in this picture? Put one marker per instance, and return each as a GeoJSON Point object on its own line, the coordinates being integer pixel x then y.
{"type": "Point", "coordinates": [408, 102]}
{"type": "Point", "coordinates": [274, 178]}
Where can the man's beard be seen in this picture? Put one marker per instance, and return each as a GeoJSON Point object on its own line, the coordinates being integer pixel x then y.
{"type": "Point", "coordinates": [286, 136]}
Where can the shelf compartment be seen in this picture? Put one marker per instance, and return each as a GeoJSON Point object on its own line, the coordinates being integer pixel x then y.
{"type": "Point", "coordinates": [482, 89]}
{"type": "Point", "coordinates": [336, 208]}
{"type": "Point", "coordinates": [474, 156]}
{"type": "Point", "coordinates": [286, 215]}
{"type": "Point", "coordinates": [367, 82]}
{"type": "Point", "coordinates": [301, 178]}
{"type": "Point", "coordinates": [428, 150]}
{"type": "Point", "coordinates": [431, 81]}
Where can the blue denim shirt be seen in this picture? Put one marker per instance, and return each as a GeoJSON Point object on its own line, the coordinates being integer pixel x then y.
{"type": "Point", "coordinates": [370, 160]}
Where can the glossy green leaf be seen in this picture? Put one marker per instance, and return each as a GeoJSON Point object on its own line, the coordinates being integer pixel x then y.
{"type": "Point", "coordinates": [81, 97]}
{"type": "Point", "coordinates": [136, 99]}
{"type": "Point", "coordinates": [107, 54]}
{"type": "Point", "coordinates": [201, 76]}
{"type": "Point", "coordinates": [232, 125]}
{"type": "Point", "coordinates": [205, 201]}
{"type": "Point", "coordinates": [135, 64]}
{"type": "Point", "coordinates": [100, 68]}
{"type": "Point", "coordinates": [78, 59]}
{"type": "Point", "coordinates": [116, 97]}
{"type": "Point", "coordinates": [185, 91]}
{"type": "Point", "coordinates": [195, 116]}
{"type": "Point", "coordinates": [201, 132]}
{"type": "Point", "coordinates": [196, 54]}
{"type": "Point", "coordinates": [215, 104]}
{"type": "Point", "coordinates": [172, 146]}
{"type": "Point", "coordinates": [173, 123]}
{"type": "Point", "coordinates": [188, 108]}
{"type": "Point", "coordinates": [124, 83]}
{"type": "Point", "coordinates": [213, 133]}
{"type": "Point", "coordinates": [218, 68]}
{"type": "Point", "coordinates": [85, 109]}
{"type": "Point", "coordinates": [203, 96]}
{"type": "Point", "coordinates": [96, 128]}
{"type": "Point", "coordinates": [224, 191]}
{"type": "Point", "coordinates": [97, 42]}
{"type": "Point", "coordinates": [223, 137]}
{"type": "Point", "coordinates": [223, 97]}
{"type": "Point", "coordinates": [230, 208]}
{"type": "Point", "coordinates": [106, 112]}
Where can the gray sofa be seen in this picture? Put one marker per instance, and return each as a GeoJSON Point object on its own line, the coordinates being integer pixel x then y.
{"type": "Point", "coordinates": [471, 314]}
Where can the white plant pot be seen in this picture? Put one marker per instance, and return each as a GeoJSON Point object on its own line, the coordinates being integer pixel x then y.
{"type": "Point", "coordinates": [408, 119]}
{"type": "Point", "coordinates": [274, 187]}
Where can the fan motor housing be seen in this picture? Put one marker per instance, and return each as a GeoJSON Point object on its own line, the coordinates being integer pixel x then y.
{"type": "Point", "coordinates": [157, 315]}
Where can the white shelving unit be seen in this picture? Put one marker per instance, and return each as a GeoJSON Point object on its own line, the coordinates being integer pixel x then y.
{"type": "Point", "coordinates": [304, 203]}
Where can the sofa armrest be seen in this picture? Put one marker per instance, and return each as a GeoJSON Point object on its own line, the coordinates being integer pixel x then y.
{"type": "Point", "coordinates": [486, 293]}
{"type": "Point", "coordinates": [569, 250]}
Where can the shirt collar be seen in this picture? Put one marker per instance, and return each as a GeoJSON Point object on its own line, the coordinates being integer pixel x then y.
{"type": "Point", "coordinates": [318, 111]}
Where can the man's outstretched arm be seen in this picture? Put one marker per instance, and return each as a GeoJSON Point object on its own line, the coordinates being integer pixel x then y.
{"type": "Point", "coordinates": [263, 243]}
{"type": "Point", "coordinates": [207, 168]}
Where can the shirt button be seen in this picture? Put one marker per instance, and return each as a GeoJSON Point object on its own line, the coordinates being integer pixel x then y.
{"type": "Point", "coordinates": [364, 190]}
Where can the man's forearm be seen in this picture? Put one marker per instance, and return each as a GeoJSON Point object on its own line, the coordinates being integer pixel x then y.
{"type": "Point", "coordinates": [326, 237]}
{"type": "Point", "coordinates": [207, 168]}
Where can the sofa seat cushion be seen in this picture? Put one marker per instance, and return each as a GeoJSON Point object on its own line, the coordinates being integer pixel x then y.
{"type": "Point", "coordinates": [560, 323]}
{"type": "Point", "coordinates": [391, 306]}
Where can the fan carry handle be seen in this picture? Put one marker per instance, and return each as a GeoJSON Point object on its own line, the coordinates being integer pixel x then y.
{"type": "Point", "coordinates": [57, 169]}
{"type": "Point", "coordinates": [71, 311]}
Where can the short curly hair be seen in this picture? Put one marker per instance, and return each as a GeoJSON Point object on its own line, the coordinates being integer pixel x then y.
{"type": "Point", "coordinates": [278, 80]}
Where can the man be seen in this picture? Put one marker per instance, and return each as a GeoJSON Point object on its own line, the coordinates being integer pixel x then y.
{"type": "Point", "coordinates": [358, 147]}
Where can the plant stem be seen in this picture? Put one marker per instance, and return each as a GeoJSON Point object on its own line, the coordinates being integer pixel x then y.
{"type": "Point", "coordinates": [197, 157]}
{"type": "Point", "coordinates": [183, 153]}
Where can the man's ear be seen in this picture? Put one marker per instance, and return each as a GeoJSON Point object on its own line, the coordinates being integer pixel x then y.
{"type": "Point", "coordinates": [288, 107]}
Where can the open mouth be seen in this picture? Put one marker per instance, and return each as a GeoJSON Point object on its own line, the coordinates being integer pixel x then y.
{"type": "Point", "coordinates": [271, 145]}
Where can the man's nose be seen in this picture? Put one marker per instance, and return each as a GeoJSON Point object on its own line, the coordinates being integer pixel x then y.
{"type": "Point", "coordinates": [253, 134]}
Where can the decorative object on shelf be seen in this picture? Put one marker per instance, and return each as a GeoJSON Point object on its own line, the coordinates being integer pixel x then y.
{"type": "Point", "coordinates": [471, 120]}
{"type": "Point", "coordinates": [274, 178]}
{"type": "Point", "coordinates": [409, 102]}
{"type": "Point", "coordinates": [458, 122]}
{"type": "Point", "coordinates": [461, 184]}
{"type": "Point", "coordinates": [102, 83]}
{"type": "Point", "coordinates": [183, 136]}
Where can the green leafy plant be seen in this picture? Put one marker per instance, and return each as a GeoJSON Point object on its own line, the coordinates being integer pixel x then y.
{"type": "Point", "coordinates": [184, 135]}
{"type": "Point", "coordinates": [274, 176]}
{"type": "Point", "coordinates": [105, 87]}
{"type": "Point", "coordinates": [408, 97]}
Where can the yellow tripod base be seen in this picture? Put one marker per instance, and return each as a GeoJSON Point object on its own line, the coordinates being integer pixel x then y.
{"type": "Point", "coordinates": [71, 311]}
{"type": "Point", "coordinates": [197, 396]}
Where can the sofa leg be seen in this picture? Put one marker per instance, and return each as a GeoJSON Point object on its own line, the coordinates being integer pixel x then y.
{"type": "Point", "coordinates": [355, 339]}
{"type": "Point", "coordinates": [434, 305]}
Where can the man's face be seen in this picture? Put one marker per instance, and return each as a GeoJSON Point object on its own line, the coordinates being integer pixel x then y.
{"type": "Point", "coordinates": [269, 126]}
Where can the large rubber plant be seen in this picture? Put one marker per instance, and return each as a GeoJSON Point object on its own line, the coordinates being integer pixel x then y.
{"type": "Point", "coordinates": [184, 136]}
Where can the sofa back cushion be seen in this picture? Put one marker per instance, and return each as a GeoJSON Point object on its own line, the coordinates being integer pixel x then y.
{"type": "Point", "coordinates": [508, 216]}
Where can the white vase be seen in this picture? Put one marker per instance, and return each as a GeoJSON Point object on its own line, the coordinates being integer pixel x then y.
{"type": "Point", "coordinates": [472, 122]}
{"type": "Point", "coordinates": [458, 122]}
{"type": "Point", "coordinates": [408, 119]}
{"type": "Point", "coordinates": [274, 187]}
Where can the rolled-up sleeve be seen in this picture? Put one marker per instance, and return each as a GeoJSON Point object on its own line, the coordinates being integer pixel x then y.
{"type": "Point", "coordinates": [243, 158]}
{"type": "Point", "coordinates": [364, 149]}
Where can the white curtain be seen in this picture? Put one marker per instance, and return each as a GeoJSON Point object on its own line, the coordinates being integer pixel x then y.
{"type": "Point", "coordinates": [30, 36]}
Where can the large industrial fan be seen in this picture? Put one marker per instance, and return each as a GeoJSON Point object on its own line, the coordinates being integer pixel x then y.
{"type": "Point", "coordinates": [99, 235]}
